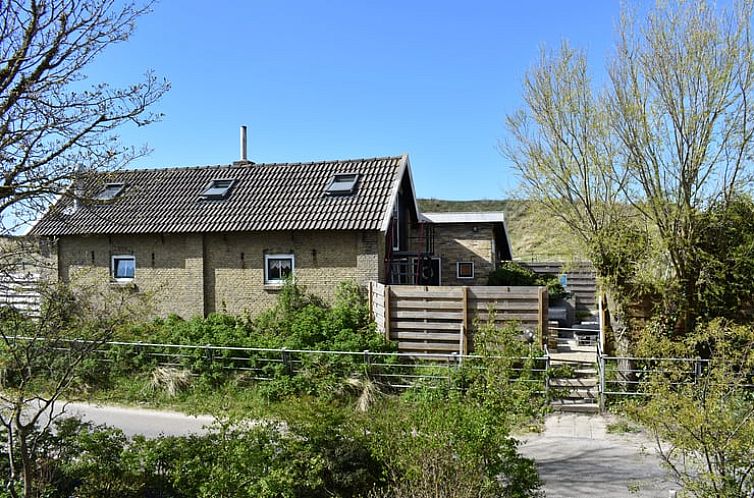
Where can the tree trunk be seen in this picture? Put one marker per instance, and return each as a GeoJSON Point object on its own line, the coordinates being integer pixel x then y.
{"type": "Point", "coordinates": [27, 462]}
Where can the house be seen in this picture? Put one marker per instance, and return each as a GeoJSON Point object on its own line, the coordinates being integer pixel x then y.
{"type": "Point", "coordinates": [224, 238]}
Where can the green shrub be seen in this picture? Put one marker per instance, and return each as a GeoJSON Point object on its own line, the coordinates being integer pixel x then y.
{"type": "Point", "coordinates": [512, 274]}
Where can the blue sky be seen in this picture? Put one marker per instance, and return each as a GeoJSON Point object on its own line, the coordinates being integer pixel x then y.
{"type": "Point", "coordinates": [342, 79]}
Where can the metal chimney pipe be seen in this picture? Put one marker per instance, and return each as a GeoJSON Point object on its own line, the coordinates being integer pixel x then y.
{"type": "Point", "coordinates": [78, 187]}
{"type": "Point", "coordinates": [243, 144]}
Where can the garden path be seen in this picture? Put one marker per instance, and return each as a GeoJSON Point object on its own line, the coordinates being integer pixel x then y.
{"type": "Point", "coordinates": [578, 458]}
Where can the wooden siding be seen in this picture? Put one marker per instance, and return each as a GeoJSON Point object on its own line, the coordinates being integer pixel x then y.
{"type": "Point", "coordinates": [21, 292]}
{"type": "Point", "coordinates": [443, 319]}
{"type": "Point", "coordinates": [581, 281]}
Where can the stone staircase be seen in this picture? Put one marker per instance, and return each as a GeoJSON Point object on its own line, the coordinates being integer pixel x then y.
{"type": "Point", "coordinates": [575, 388]}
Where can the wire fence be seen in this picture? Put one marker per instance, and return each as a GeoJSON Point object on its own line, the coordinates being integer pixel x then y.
{"type": "Point", "coordinates": [392, 369]}
{"type": "Point", "coordinates": [618, 377]}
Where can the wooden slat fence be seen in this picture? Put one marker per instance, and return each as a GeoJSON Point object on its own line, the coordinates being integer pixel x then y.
{"type": "Point", "coordinates": [442, 319]}
{"type": "Point", "coordinates": [581, 280]}
{"type": "Point", "coordinates": [21, 292]}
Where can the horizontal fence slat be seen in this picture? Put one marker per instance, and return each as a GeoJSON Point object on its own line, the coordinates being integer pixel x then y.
{"type": "Point", "coordinates": [425, 292]}
{"type": "Point", "coordinates": [405, 324]}
{"type": "Point", "coordinates": [428, 314]}
{"type": "Point", "coordinates": [435, 336]}
{"type": "Point", "coordinates": [428, 346]}
{"type": "Point", "coordinates": [410, 304]}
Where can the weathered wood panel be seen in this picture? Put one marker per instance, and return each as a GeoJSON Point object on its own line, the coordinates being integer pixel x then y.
{"type": "Point", "coordinates": [444, 319]}
{"type": "Point", "coordinates": [581, 280]}
{"type": "Point", "coordinates": [21, 292]}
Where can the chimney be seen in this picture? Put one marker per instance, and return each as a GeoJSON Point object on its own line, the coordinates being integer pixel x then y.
{"type": "Point", "coordinates": [78, 187]}
{"type": "Point", "coordinates": [244, 147]}
{"type": "Point", "coordinates": [243, 144]}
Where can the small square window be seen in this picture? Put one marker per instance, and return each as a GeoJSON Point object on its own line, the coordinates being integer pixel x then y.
{"type": "Point", "coordinates": [111, 191]}
{"type": "Point", "coordinates": [465, 269]}
{"type": "Point", "coordinates": [277, 267]}
{"type": "Point", "coordinates": [123, 267]}
{"type": "Point", "coordinates": [218, 189]}
{"type": "Point", "coordinates": [343, 184]}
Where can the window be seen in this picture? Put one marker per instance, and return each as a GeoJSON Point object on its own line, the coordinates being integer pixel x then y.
{"type": "Point", "coordinates": [342, 184]}
{"type": "Point", "coordinates": [277, 267]}
{"type": "Point", "coordinates": [111, 191]}
{"type": "Point", "coordinates": [218, 189]}
{"type": "Point", "coordinates": [465, 269]}
{"type": "Point", "coordinates": [123, 267]}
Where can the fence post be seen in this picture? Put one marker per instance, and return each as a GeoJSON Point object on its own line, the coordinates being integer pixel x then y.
{"type": "Point", "coordinates": [542, 314]}
{"type": "Point", "coordinates": [208, 355]}
{"type": "Point", "coordinates": [465, 324]}
{"type": "Point", "coordinates": [370, 289]}
{"type": "Point", "coordinates": [386, 293]}
{"type": "Point", "coordinates": [601, 373]}
{"type": "Point", "coordinates": [547, 374]}
{"type": "Point", "coordinates": [462, 344]}
{"type": "Point", "coordinates": [286, 357]}
{"type": "Point", "coordinates": [697, 369]}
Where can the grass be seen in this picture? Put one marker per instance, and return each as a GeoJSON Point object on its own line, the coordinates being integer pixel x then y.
{"type": "Point", "coordinates": [533, 236]}
{"type": "Point", "coordinates": [622, 426]}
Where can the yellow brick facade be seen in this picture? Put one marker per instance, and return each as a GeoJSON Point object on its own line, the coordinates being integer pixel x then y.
{"type": "Point", "coordinates": [196, 274]}
{"type": "Point", "coordinates": [465, 242]}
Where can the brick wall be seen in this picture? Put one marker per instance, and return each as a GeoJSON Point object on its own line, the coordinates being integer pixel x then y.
{"type": "Point", "coordinates": [168, 267]}
{"type": "Point", "coordinates": [197, 274]}
{"type": "Point", "coordinates": [464, 242]}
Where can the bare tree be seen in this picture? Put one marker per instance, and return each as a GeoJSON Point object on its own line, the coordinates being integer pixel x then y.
{"type": "Point", "coordinates": [53, 120]}
{"type": "Point", "coordinates": [565, 151]}
{"type": "Point", "coordinates": [55, 123]}
{"type": "Point", "coordinates": [668, 136]}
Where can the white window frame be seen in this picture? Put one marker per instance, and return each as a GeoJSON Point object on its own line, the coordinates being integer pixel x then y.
{"type": "Point", "coordinates": [277, 281]}
{"type": "Point", "coordinates": [113, 267]}
{"type": "Point", "coordinates": [458, 270]}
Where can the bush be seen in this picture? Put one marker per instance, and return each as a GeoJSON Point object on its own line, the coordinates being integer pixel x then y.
{"type": "Point", "coordinates": [513, 274]}
{"type": "Point", "coordinates": [705, 417]}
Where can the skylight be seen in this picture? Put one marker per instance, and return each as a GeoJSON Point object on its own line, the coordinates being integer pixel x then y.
{"type": "Point", "coordinates": [342, 184]}
{"type": "Point", "coordinates": [218, 189]}
{"type": "Point", "coordinates": [111, 191]}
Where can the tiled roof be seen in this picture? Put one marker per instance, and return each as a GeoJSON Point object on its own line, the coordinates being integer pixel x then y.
{"type": "Point", "coordinates": [263, 197]}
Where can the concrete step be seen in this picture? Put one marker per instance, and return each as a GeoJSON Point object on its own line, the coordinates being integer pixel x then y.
{"type": "Point", "coordinates": [577, 394]}
{"type": "Point", "coordinates": [575, 382]}
{"type": "Point", "coordinates": [571, 406]}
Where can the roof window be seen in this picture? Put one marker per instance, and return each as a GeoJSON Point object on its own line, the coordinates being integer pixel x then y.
{"type": "Point", "coordinates": [111, 191]}
{"type": "Point", "coordinates": [342, 184]}
{"type": "Point", "coordinates": [218, 189]}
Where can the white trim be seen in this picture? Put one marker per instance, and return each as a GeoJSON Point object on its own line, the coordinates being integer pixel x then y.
{"type": "Point", "coordinates": [112, 267]}
{"type": "Point", "coordinates": [458, 270]}
{"type": "Point", "coordinates": [402, 166]}
{"type": "Point", "coordinates": [461, 217]}
{"type": "Point", "coordinates": [277, 281]}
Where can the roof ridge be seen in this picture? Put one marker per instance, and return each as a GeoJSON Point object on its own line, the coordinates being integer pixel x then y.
{"type": "Point", "coordinates": [250, 164]}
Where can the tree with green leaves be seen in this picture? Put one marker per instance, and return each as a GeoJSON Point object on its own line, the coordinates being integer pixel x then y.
{"type": "Point", "coordinates": [632, 165]}
{"type": "Point", "coordinates": [702, 413]}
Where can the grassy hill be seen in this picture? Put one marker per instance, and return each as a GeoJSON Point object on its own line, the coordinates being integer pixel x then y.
{"type": "Point", "coordinates": [533, 236]}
